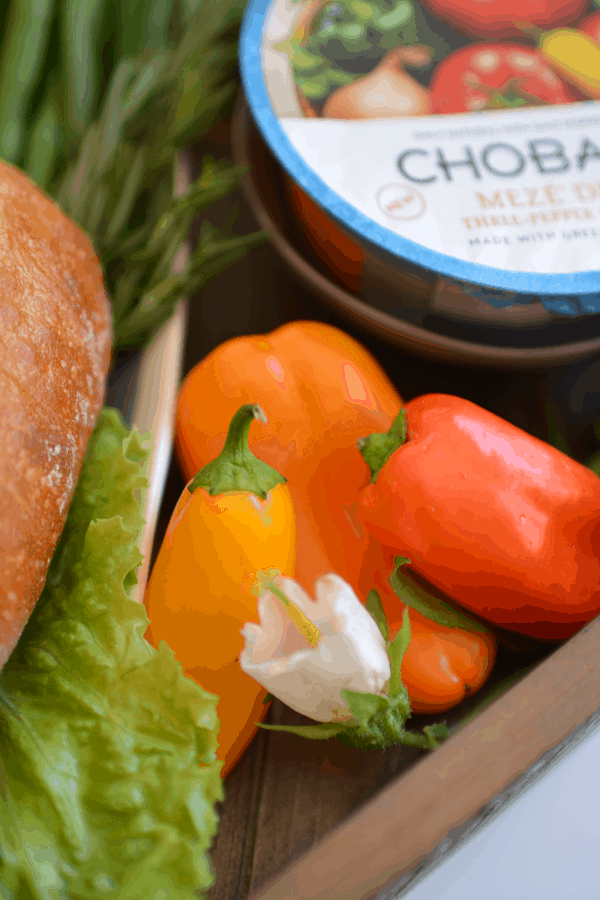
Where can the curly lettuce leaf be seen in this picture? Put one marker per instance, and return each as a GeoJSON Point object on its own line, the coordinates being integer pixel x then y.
{"type": "Point", "coordinates": [108, 770]}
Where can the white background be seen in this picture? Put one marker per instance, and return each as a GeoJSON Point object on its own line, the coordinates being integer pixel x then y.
{"type": "Point", "coordinates": [546, 846]}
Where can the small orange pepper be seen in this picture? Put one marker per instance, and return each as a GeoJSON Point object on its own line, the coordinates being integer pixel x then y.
{"type": "Point", "coordinates": [444, 663]}
{"type": "Point", "coordinates": [233, 520]}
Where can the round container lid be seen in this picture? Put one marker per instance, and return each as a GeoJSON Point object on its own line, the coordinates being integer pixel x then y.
{"type": "Point", "coordinates": [493, 177]}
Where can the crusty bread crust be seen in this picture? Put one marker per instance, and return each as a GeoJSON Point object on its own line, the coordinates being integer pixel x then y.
{"type": "Point", "coordinates": [55, 336]}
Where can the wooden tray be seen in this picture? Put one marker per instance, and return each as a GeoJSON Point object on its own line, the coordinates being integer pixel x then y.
{"type": "Point", "coordinates": [422, 816]}
{"type": "Point", "coordinates": [351, 824]}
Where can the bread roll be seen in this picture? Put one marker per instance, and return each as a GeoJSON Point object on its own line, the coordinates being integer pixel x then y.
{"type": "Point", "coordinates": [55, 336]}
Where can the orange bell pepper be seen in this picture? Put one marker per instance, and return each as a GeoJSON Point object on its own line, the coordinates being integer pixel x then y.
{"type": "Point", "coordinates": [232, 520]}
{"type": "Point", "coordinates": [324, 392]}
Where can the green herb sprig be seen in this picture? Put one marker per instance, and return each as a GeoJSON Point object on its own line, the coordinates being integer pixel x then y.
{"type": "Point", "coordinates": [120, 185]}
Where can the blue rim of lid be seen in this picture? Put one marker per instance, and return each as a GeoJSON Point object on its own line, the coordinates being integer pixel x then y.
{"type": "Point", "coordinates": [255, 89]}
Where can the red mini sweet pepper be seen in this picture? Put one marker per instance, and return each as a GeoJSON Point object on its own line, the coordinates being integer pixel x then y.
{"type": "Point", "coordinates": [497, 19]}
{"type": "Point", "coordinates": [501, 522]}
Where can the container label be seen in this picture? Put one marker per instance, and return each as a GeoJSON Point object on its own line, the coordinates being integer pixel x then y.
{"type": "Point", "coordinates": [453, 125]}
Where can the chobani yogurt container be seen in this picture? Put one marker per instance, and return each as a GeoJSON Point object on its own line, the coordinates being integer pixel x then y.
{"type": "Point", "coordinates": [443, 155]}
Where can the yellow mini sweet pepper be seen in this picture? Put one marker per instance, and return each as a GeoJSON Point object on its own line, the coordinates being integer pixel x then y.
{"type": "Point", "coordinates": [234, 520]}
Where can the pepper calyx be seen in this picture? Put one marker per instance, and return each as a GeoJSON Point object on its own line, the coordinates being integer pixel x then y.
{"type": "Point", "coordinates": [236, 468]}
{"type": "Point", "coordinates": [438, 610]}
{"type": "Point", "coordinates": [377, 448]}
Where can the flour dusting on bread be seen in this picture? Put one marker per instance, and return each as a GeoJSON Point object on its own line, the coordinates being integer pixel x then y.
{"type": "Point", "coordinates": [55, 334]}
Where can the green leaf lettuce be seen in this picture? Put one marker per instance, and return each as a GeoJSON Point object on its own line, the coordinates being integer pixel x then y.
{"type": "Point", "coordinates": [108, 752]}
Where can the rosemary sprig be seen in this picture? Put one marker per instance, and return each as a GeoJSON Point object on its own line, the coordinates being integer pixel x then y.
{"type": "Point", "coordinates": [119, 185]}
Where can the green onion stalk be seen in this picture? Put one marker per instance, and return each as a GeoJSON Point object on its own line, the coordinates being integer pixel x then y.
{"type": "Point", "coordinates": [119, 186]}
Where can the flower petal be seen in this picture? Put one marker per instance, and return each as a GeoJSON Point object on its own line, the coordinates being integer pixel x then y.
{"type": "Point", "coordinates": [351, 653]}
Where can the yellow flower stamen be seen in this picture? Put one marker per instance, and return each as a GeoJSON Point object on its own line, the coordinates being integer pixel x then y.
{"type": "Point", "coordinates": [266, 582]}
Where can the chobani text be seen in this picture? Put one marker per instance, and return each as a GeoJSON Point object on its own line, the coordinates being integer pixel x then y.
{"type": "Point", "coordinates": [546, 156]}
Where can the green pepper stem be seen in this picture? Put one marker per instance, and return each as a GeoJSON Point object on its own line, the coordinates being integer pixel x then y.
{"type": "Point", "coordinates": [377, 448]}
{"type": "Point", "coordinates": [236, 468]}
{"type": "Point", "coordinates": [528, 28]}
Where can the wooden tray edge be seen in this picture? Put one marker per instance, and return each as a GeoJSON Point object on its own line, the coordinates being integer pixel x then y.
{"type": "Point", "coordinates": [391, 834]}
{"type": "Point", "coordinates": [155, 404]}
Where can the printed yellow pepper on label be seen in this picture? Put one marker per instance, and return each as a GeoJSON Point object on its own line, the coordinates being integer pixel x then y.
{"type": "Point", "coordinates": [573, 54]}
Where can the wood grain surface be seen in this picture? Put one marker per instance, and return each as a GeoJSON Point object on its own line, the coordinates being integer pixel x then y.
{"type": "Point", "coordinates": [286, 793]}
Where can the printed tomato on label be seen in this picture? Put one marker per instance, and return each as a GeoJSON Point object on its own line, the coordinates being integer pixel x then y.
{"type": "Point", "coordinates": [502, 18]}
{"type": "Point", "coordinates": [495, 76]}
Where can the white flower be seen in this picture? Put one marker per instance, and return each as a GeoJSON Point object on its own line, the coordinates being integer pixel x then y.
{"type": "Point", "coordinates": [350, 652]}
